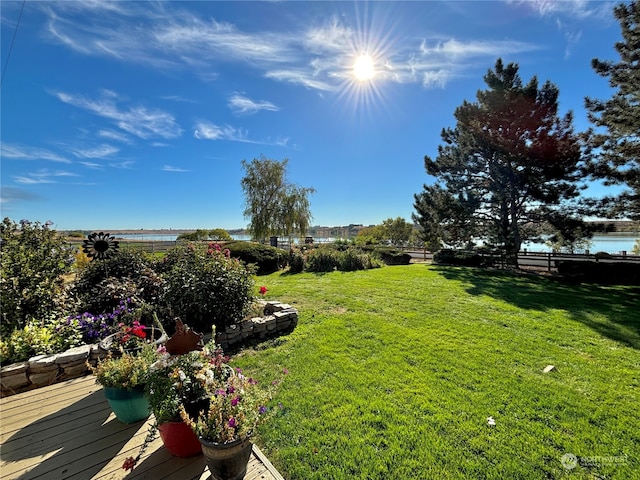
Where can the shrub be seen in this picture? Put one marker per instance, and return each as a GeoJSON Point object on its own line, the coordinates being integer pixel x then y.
{"type": "Point", "coordinates": [612, 273]}
{"type": "Point", "coordinates": [205, 287]}
{"type": "Point", "coordinates": [458, 257]}
{"type": "Point", "coordinates": [352, 259]}
{"type": "Point", "coordinates": [296, 261]}
{"type": "Point", "coordinates": [267, 259]}
{"type": "Point", "coordinates": [36, 339]}
{"type": "Point", "coordinates": [33, 259]}
{"type": "Point", "coordinates": [322, 259]}
{"type": "Point", "coordinates": [104, 283]}
{"type": "Point", "coordinates": [389, 255]}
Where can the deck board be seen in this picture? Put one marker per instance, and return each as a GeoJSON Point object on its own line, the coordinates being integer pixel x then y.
{"type": "Point", "coordinates": [67, 431]}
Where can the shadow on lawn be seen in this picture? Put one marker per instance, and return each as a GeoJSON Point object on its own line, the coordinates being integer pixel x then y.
{"type": "Point", "coordinates": [620, 305]}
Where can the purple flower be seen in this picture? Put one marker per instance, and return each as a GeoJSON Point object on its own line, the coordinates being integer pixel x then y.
{"type": "Point", "coordinates": [262, 410]}
{"type": "Point", "coordinates": [252, 381]}
{"type": "Point", "coordinates": [230, 389]}
{"type": "Point", "coordinates": [235, 401]}
{"type": "Point", "coordinates": [232, 422]}
{"type": "Point", "coordinates": [285, 371]}
{"type": "Point", "coordinates": [238, 370]}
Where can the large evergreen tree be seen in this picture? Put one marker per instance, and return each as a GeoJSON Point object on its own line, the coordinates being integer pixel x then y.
{"type": "Point", "coordinates": [510, 165]}
{"type": "Point", "coordinates": [616, 141]}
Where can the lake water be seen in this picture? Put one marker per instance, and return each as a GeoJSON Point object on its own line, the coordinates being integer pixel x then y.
{"type": "Point", "coordinates": [611, 243]}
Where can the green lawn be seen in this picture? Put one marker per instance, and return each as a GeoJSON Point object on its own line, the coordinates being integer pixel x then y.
{"type": "Point", "coordinates": [394, 372]}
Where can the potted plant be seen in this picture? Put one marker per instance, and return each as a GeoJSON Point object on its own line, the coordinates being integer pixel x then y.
{"type": "Point", "coordinates": [236, 405]}
{"type": "Point", "coordinates": [123, 379]}
{"type": "Point", "coordinates": [131, 338]}
{"type": "Point", "coordinates": [181, 380]}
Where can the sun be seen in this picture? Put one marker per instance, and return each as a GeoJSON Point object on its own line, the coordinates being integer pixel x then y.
{"type": "Point", "coordinates": [363, 68]}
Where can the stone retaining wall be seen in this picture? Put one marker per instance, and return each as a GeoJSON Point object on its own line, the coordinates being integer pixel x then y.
{"type": "Point", "coordinates": [279, 318]}
{"type": "Point", "coordinates": [43, 370]}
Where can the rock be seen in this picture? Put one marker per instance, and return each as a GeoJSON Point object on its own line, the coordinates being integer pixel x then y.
{"type": "Point", "coordinates": [73, 371]}
{"type": "Point", "coordinates": [43, 363]}
{"type": "Point", "coordinates": [14, 369]}
{"type": "Point", "coordinates": [43, 379]}
{"type": "Point", "coordinates": [74, 354]}
{"type": "Point", "coordinates": [16, 378]}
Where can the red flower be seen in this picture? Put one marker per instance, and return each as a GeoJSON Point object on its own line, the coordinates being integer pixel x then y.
{"type": "Point", "coordinates": [263, 290]}
{"type": "Point", "coordinates": [139, 332]}
{"type": "Point", "coordinates": [129, 463]}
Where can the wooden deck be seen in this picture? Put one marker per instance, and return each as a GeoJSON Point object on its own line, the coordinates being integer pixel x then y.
{"type": "Point", "coordinates": [67, 431]}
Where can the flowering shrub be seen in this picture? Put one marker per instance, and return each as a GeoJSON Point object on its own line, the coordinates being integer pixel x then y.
{"type": "Point", "coordinates": [94, 327]}
{"type": "Point", "coordinates": [33, 259]}
{"type": "Point", "coordinates": [127, 274]}
{"type": "Point", "coordinates": [204, 287]}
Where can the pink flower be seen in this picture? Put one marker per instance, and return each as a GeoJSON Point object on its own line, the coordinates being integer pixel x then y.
{"type": "Point", "coordinates": [235, 401]}
{"type": "Point", "coordinates": [232, 422]}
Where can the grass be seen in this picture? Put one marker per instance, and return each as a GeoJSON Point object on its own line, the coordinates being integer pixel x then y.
{"type": "Point", "coordinates": [394, 372]}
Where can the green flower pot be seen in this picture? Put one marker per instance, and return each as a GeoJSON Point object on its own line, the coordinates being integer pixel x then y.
{"type": "Point", "coordinates": [129, 406]}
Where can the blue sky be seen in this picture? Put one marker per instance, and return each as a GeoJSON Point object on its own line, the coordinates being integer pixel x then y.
{"type": "Point", "coordinates": [138, 115]}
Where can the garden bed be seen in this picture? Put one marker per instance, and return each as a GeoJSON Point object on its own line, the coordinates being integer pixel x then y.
{"type": "Point", "coordinates": [42, 370]}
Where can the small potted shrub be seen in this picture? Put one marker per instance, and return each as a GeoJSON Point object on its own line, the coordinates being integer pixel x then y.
{"type": "Point", "coordinates": [123, 379]}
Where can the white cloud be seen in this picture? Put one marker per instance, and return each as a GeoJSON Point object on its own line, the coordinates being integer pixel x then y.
{"type": "Point", "coordinates": [331, 37]}
{"type": "Point", "coordinates": [241, 104]}
{"type": "Point", "coordinates": [317, 55]}
{"type": "Point", "coordinates": [117, 136]}
{"type": "Point", "coordinates": [579, 9]}
{"type": "Point", "coordinates": [455, 48]}
{"type": "Point", "coordinates": [169, 168]}
{"type": "Point", "coordinates": [91, 165]}
{"type": "Point", "coordinates": [138, 121]}
{"type": "Point", "coordinates": [101, 151]}
{"type": "Point", "coordinates": [42, 176]}
{"type": "Point", "coordinates": [21, 152]}
{"type": "Point", "coordinates": [300, 77]}
{"type": "Point", "coordinates": [210, 131]}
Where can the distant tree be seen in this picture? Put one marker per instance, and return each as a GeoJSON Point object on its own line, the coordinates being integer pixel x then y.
{"type": "Point", "coordinates": [370, 235]}
{"type": "Point", "coordinates": [616, 140]}
{"type": "Point", "coordinates": [397, 231]}
{"type": "Point", "coordinates": [274, 206]}
{"type": "Point", "coordinates": [219, 234]}
{"type": "Point", "coordinates": [509, 164]}
{"type": "Point", "coordinates": [216, 234]}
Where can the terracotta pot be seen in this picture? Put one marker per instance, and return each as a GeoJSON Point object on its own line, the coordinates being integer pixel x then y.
{"type": "Point", "coordinates": [227, 461]}
{"type": "Point", "coordinates": [129, 405]}
{"type": "Point", "coordinates": [179, 439]}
